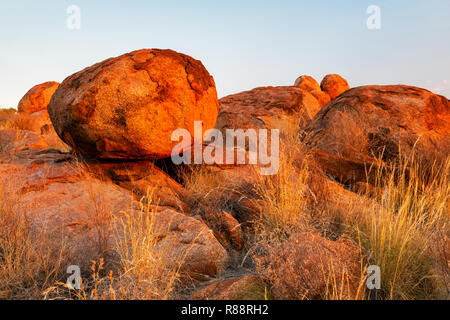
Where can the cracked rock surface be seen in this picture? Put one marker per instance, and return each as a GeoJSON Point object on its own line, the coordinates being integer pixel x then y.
{"type": "Point", "coordinates": [127, 107]}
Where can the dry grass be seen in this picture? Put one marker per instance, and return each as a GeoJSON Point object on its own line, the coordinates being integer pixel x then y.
{"type": "Point", "coordinates": [7, 146]}
{"type": "Point", "coordinates": [150, 265]}
{"type": "Point", "coordinates": [349, 140]}
{"type": "Point", "coordinates": [29, 261]}
{"type": "Point", "coordinates": [402, 229]}
{"type": "Point", "coordinates": [6, 116]}
{"type": "Point", "coordinates": [11, 119]}
{"type": "Point", "coordinates": [23, 121]}
{"type": "Point", "coordinates": [286, 197]}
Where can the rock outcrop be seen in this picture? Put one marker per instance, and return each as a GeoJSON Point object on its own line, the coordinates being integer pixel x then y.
{"type": "Point", "coordinates": [32, 111]}
{"type": "Point", "coordinates": [144, 179]}
{"type": "Point", "coordinates": [64, 198]}
{"type": "Point", "coordinates": [127, 107]}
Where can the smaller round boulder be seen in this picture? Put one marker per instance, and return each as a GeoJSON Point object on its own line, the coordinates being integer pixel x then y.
{"type": "Point", "coordinates": [334, 85]}
{"type": "Point", "coordinates": [38, 97]}
{"type": "Point", "coordinates": [307, 83]}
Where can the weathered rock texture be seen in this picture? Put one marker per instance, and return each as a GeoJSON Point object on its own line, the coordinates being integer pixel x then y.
{"type": "Point", "coordinates": [308, 265]}
{"type": "Point", "coordinates": [144, 179]}
{"type": "Point", "coordinates": [60, 196]}
{"type": "Point", "coordinates": [226, 229]}
{"type": "Point", "coordinates": [12, 140]}
{"type": "Point", "coordinates": [282, 108]}
{"type": "Point", "coordinates": [38, 97]}
{"type": "Point", "coordinates": [127, 107]}
{"type": "Point", "coordinates": [384, 122]}
{"type": "Point", "coordinates": [334, 85]}
{"type": "Point", "coordinates": [205, 257]}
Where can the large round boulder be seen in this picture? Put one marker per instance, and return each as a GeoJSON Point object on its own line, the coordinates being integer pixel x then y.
{"type": "Point", "coordinates": [127, 107]}
{"type": "Point", "coordinates": [38, 97]}
{"type": "Point", "coordinates": [334, 85]}
{"type": "Point", "coordinates": [373, 122]}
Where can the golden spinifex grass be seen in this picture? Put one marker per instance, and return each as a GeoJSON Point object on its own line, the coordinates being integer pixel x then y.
{"type": "Point", "coordinates": [285, 197]}
{"type": "Point", "coordinates": [404, 228]}
{"type": "Point", "coordinates": [6, 116]}
{"type": "Point", "coordinates": [7, 146]}
{"type": "Point", "coordinates": [150, 260]}
{"type": "Point", "coordinates": [23, 121]}
{"type": "Point", "coordinates": [338, 286]}
{"type": "Point", "coordinates": [150, 263]}
{"type": "Point", "coordinates": [29, 260]}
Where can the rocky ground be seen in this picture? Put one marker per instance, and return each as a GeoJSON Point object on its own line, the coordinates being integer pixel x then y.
{"type": "Point", "coordinates": [87, 180]}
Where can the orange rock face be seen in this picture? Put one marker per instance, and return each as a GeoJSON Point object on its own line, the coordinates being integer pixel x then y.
{"type": "Point", "coordinates": [205, 257]}
{"type": "Point", "coordinates": [307, 263]}
{"type": "Point", "coordinates": [12, 140]}
{"type": "Point", "coordinates": [38, 97]}
{"type": "Point", "coordinates": [371, 122]}
{"type": "Point", "coordinates": [62, 197]}
{"type": "Point", "coordinates": [267, 108]}
{"type": "Point", "coordinates": [144, 179]}
{"type": "Point", "coordinates": [334, 85]}
{"type": "Point", "coordinates": [127, 107]}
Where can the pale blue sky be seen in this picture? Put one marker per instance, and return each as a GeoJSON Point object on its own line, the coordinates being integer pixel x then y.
{"type": "Point", "coordinates": [243, 44]}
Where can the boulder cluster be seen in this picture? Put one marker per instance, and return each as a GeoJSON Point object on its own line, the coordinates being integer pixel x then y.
{"type": "Point", "coordinates": [118, 116]}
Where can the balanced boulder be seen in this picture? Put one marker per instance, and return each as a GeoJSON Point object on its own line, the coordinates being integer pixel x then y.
{"type": "Point", "coordinates": [127, 107]}
{"type": "Point", "coordinates": [38, 97]}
